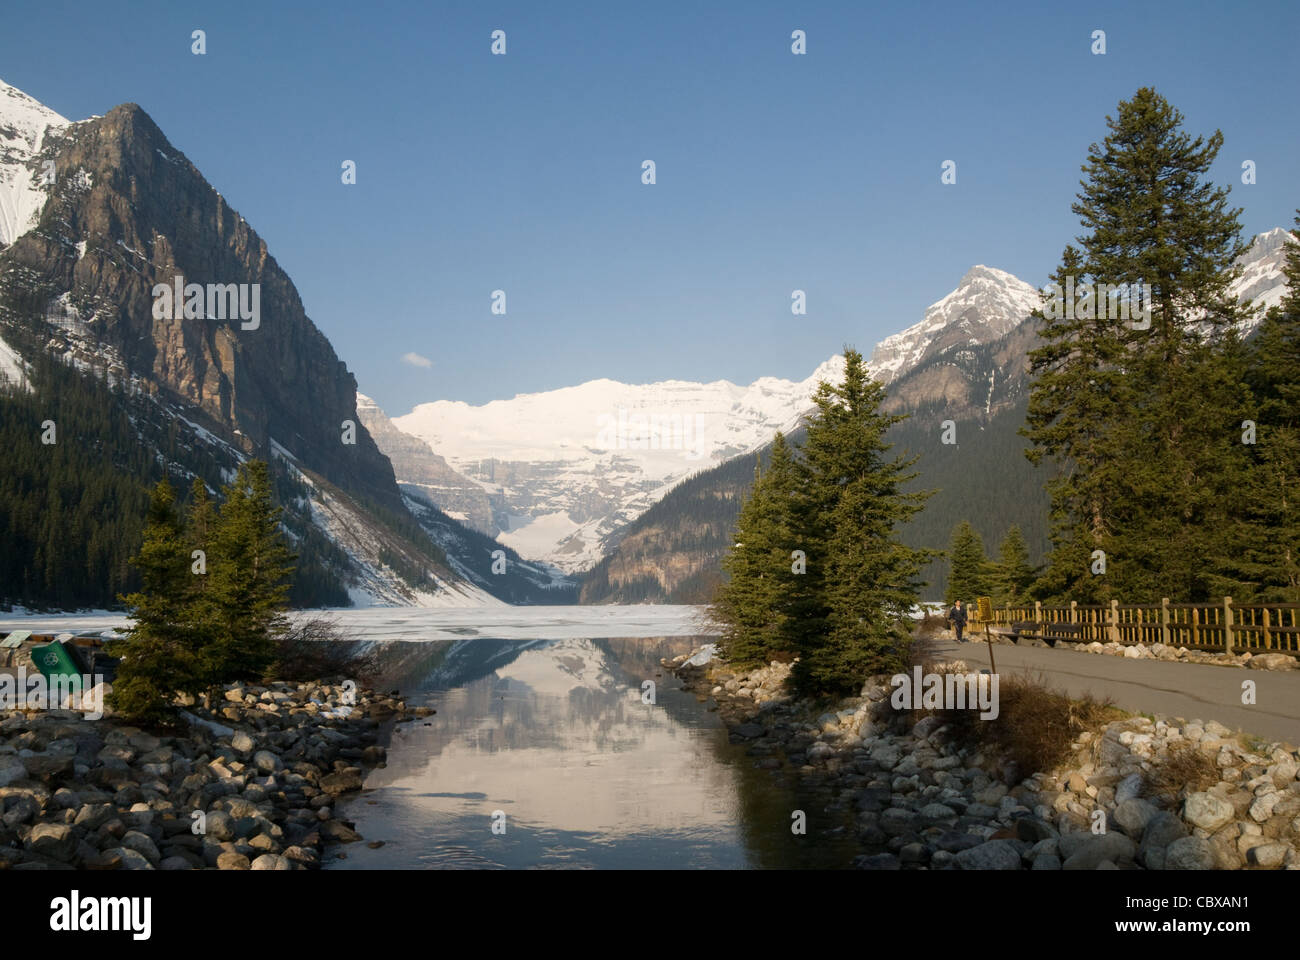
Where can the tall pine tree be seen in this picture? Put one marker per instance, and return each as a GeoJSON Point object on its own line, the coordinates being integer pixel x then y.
{"type": "Point", "coordinates": [1013, 574]}
{"type": "Point", "coordinates": [861, 581]}
{"type": "Point", "coordinates": [970, 577]}
{"type": "Point", "coordinates": [249, 573]}
{"type": "Point", "coordinates": [158, 653]}
{"type": "Point", "coordinates": [749, 604]}
{"type": "Point", "coordinates": [1136, 413]}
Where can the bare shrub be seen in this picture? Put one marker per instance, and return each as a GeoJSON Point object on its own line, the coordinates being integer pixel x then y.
{"type": "Point", "coordinates": [1183, 769]}
{"type": "Point", "coordinates": [315, 649]}
{"type": "Point", "coordinates": [1035, 726]}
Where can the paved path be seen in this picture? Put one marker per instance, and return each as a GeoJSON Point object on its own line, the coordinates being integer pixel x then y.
{"type": "Point", "coordinates": [1193, 691]}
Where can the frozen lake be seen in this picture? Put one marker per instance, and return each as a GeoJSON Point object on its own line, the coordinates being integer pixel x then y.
{"type": "Point", "coordinates": [443, 623]}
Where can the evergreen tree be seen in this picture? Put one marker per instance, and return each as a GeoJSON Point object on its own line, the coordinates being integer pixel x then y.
{"type": "Point", "coordinates": [249, 571]}
{"type": "Point", "coordinates": [158, 658]}
{"type": "Point", "coordinates": [749, 603]}
{"type": "Point", "coordinates": [1267, 540]}
{"type": "Point", "coordinates": [1013, 575]}
{"type": "Point", "coordinates": [970, 577]}
{"type": "Point", "coordinates": [846, 614]}
{"type": "Point", "coordinates": [1136, 415]}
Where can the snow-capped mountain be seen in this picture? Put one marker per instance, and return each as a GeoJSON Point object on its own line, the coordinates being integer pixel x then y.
{"type": "Point", "coordinates": [987, 304]}
{"type": "Point", "coordinates": [565, 471]}
{"type": "Point", "coordinates": [1261, 278]}
{"type": "Point", "coordinates": [24, 123]}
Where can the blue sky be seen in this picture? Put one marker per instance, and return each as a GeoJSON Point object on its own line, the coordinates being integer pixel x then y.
{"type": "Point", "coordinates": [775, 172]}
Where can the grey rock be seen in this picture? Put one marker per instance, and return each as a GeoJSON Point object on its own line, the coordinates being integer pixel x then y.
{"type": "Point", "coordinates": [1090, 852]}
{"type": "Point", "coordinates": [1190, 853]}
{"type": "Point", "coordinates": [1034, 830]}
{"type": "Point", "coordinates": [1161, 830]}
{"type": "Point", "coordinates": [54, 840]}
{"type": "Point", "coordinates": [1268, 855]}
{"type": "Point", "coordinates": [954, 841]}
{"type": "Point", "coordinates": [126, 859]}
{"type": "Point", "coordinates": [896, 822]}
{"type": "Point", "coordinates": [1133, 815]}
{"type": "Point", "coordinates": [1128, 788]}
{"type": "Point", "coordinates": [990, 855]}
{"type": "Point", "coordinates": [220, 825]}
{"type": "Point", "coordinates": [141, 844]}
{"type": "Point", "coordinates": [1207, 811]}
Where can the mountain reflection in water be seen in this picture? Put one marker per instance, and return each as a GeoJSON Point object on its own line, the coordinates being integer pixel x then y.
{"type": "Point", "coordinates": [551, 738]}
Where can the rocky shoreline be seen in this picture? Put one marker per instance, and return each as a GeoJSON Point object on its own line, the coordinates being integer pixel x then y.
{"type": "Point", "coordinates": [252, 784]}
{"type": "Point", "coordinates": [924, 801]}
{"type": "Point", "coordinates": [1162, 651]}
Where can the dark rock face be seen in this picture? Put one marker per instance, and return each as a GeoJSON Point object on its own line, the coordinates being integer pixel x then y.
{"type": "Point", "coordinates": [146, 215]}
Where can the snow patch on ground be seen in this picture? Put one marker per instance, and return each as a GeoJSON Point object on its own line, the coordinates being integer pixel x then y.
{"type": "Point", "coordinates": [13, 370]}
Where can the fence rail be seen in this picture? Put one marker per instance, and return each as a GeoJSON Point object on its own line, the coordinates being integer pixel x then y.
{"type": "Point", "coordinates": [1222, 627]}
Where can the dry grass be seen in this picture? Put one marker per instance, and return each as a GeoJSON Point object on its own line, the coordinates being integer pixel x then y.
{"type": "Point", "coordinates": [1184, 769]}
{"type": "Point", "coordinates": [1035, 727]}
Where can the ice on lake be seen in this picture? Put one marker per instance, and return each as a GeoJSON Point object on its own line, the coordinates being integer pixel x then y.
{"type": "Point", "coordinates": [434, 623]}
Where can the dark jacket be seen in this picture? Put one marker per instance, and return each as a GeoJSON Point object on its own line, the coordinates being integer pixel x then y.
{"type": "Point", "coordinates": [957, 616]}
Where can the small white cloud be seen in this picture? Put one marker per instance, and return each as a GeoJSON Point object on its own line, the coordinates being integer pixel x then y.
{"type": "Point", "coordinates": [415, 360]}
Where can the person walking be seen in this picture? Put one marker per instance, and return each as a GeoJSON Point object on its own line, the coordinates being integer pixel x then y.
{"type": "Point", "coordinates": [957, 617]}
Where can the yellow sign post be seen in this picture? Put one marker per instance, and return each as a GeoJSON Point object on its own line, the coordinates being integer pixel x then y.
{"type": "Point", "coordinates": [985, 615]}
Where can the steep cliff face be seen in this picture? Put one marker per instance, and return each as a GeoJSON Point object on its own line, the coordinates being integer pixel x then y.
{"type": "Point", "coordinates": [99, 217]}
{"type": "Point", "coordinates": [415, 462]}
{"type": "Point", "coordinates": [126, 212]}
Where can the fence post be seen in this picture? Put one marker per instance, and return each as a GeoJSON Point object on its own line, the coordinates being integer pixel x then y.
{"type": "Point", "coordinates": [1074, 611]}
{"type": "Point", "coordinates": [1038, 618]}
{"type": "Point", "coordinates": [1164, 620]}
{"type": "Point", "coordinates": [1268, 634]}
{"type": "Point", "coordinates": [1196, 622]}
{"type": "Point", "coordinates": [1227, 625]}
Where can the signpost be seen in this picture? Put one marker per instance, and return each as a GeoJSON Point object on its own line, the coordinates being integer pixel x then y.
{"type": "Point", "coordinates": [985, 615]}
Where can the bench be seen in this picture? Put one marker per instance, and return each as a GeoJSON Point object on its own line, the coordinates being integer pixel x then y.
{"type": "Point", "coordinates": [1048, 632]}
{"type": "Point", "coordinates": [1063, 631]}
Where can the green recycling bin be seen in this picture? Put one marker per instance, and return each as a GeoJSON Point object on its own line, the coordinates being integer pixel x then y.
{"type": "Point", "coordinates": [57, 662]}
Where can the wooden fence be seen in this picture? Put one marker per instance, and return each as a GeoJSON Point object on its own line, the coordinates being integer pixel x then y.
{"type": "Point", "coordinates": [1222, 627]}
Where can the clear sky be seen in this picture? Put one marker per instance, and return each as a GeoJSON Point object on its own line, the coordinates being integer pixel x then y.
{"type": "Point", "coordinates": [774, 171]}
